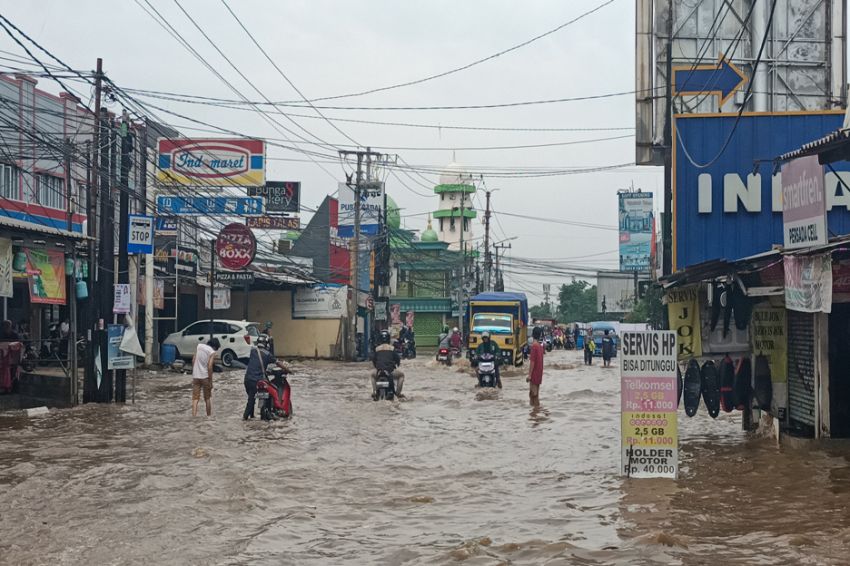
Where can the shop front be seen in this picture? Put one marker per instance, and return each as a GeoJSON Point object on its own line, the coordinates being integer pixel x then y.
{"type": "Point", "coordinates": [43, 274]}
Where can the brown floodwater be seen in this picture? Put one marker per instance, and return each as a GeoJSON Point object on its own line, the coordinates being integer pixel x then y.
{"type": "Point", "coordinates": [451, 475]}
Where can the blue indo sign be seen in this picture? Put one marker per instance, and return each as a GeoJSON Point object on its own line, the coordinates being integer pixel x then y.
{"type": "Point", "coordinates": [635, 221]}
{"type": "Point", "coordinates": [205, 206]}
{"type": "Point", "coordinates": [731, 207]}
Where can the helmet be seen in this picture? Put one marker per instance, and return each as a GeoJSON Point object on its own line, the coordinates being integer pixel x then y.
{"type": "Point", "coordinates": [485, 335]}
{"type": "Point", "coordinates": [263, 342]}
{"type": "Point", "coordinates": [455, 329]}
{"type": "Point", "coordinates": [385, 337]}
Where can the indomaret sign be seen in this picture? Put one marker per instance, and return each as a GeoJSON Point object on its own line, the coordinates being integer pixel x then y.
{"type": "Point", "coordinates": [803, 203]}
{"type": "Point", "coordinates": [649, 399]}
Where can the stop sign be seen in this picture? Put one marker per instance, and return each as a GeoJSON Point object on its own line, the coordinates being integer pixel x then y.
{"type": "Point", "coordinates": [235, 246]}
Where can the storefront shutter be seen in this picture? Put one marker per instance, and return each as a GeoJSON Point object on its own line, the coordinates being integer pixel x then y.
{"type": "Point", "coordinates": [801, 372]}
{"type": "Point", "coordinates": [427, 327]}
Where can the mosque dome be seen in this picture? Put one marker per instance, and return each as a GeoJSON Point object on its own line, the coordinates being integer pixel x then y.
{"type": "Point", "coordinates": [393, 214]}
{"type": "Point", "coordinates": [429, 235]}
{"type": "Point", "coordinates": [454, 174]}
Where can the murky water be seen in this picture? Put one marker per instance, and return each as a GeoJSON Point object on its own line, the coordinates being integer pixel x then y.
{"type": "Point", "coordinates": [450, 475]}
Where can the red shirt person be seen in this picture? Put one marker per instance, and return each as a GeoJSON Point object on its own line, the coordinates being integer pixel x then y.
{"type": "Point", "coordinates": [535, 367]}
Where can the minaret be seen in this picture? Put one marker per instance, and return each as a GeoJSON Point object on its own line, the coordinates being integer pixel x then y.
{"type": "Point", "coordinates": [455, 212]}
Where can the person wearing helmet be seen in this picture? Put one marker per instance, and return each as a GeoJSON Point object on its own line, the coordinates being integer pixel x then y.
{"type": "Point", "coordinates": [455, 340]}
{"type": "Point", "coordinates": [386, 358]}
{"type": "Point", "coordinates": [258, 360]}
{"type": "Point", "coordinates": [487, 346]}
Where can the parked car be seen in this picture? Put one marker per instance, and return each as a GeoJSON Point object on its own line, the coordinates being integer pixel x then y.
{"type": "Point", "coordinates": [236, 337]}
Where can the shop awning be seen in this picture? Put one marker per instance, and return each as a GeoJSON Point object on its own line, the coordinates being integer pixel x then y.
{"type": "Point", "coordinates": [833, 147]}
{"type": "Point", "coordinates": [720, 268]}
{"type": "Point", "coordinates": [15, 224]}
{"type": "Point", "coordinates": [422, 305]}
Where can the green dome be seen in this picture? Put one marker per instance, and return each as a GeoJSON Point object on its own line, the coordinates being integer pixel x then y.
{"type": "Point", "coordinates": [393, 214]}
{"type": "Point", "coordinates": [429, 235]}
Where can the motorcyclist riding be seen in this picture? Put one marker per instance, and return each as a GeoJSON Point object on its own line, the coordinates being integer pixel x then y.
{"type": "Point", "coordinates": [489, 347]}
{"type": "Point", "coordinates": [455, 339]}
{"type": "Point", "coordinates": [258, 361]}
{"type": "Point", "coordinates": [386, 358]}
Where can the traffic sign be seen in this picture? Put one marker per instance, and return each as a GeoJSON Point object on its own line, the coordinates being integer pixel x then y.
{"type": "Point", "coordinates": [170, 205]}
{"type": "Point", "coordinates": [723, 79]}
{"type": "Point", "coordinates": [234, 277]}
{"type": "Point", "coordinates": [273, 222]}
{"type": "Point", "coordinates": [140, 234]}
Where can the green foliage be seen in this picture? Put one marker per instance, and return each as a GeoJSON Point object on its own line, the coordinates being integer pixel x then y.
{"type": "Point", "coordinates": [543, 310]}
{"type": "Point", "coordinates": [577, 302]}
{"type": "Point", "coordinates": [650, 309]}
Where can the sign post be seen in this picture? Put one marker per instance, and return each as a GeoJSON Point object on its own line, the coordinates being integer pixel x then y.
{"type": "Point", "coordinates": [140, 236]}
{"type": "Point", "coordinates": [803, 203]}
{"type": "Point", "coordinates": [648, 397]}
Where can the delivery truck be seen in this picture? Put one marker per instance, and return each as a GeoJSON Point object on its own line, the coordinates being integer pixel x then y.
{"type": "Point", "coordinates": [505, 316]}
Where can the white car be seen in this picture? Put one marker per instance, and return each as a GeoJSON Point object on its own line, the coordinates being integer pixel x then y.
{"type": "Point", "coordinates": [236, 337]}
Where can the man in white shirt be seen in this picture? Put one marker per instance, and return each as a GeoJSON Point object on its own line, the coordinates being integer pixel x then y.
{"type": "Point", "coordinates": [202, 372]}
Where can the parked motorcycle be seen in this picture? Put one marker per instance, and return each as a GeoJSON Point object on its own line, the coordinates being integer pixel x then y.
{"type": "Point", "coordinates": [384, 386]}
{"type": "Point", "coordinates": [274, 394]}
{"type": "Point", "coordinates": [486, 364]}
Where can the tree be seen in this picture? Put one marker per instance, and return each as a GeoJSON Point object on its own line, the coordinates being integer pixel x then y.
{"type": "Point", "coordinates": [543, 310]}
{"type": "Point", "coordinates": [650, 309]}
{"type": "Point", "coordinates": [577, 302]}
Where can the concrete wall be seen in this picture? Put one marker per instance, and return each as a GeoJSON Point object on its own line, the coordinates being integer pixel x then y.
{"type": "Point", "coordinates": [299, 337]}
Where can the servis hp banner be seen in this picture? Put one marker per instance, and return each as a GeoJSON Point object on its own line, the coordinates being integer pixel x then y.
{"type": "Point", "coordinates": [649, 398]}
{"type": "Point", "coordinates": [211, 162]}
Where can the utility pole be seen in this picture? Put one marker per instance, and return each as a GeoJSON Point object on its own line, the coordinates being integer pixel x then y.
{"type": "Point", "coordinates": [147, 207]}
{"type": "Point", "coordinates": [212, 286]}
{"type": "Point", "coordinates": [488, 260]}
{"type": "Point", "coordinates": [500, 282]}
{"type": "Point", "coordinates": [667, 224]}
{"type": "Point", "coordinates": [355, 242]}
{"type": "Point", "coordinates": [123, 235]}
{"type": "Point", "coordinates": [105, 259]}
{"type": "Point", "coordinates": [69, 277]}
{"type": "Point", "coordinates": [93, 153]}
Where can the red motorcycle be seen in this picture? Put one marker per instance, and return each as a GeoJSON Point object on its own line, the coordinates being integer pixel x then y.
{"type": "Point", "coordinates": [274, 394]}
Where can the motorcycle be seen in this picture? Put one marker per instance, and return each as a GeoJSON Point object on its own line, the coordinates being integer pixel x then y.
{"type": "Point", "coordinates": [406, 348]}
{"type": "Point", "coordinates": [548, 343]}
{"type": "Point", "coordinates": [444, 355]}
{"type": "Point", "coordinates": [384, 386]}
{"type": "Point", "coordinates": [486, 370]}
{"type": "Point", "coordinates": [274, 394]}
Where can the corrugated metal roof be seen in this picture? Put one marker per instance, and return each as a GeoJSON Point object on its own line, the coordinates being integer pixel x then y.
{"type": "Point", "coordinates": [14, 223]}
{"type": "Point", "coordinates": [828, 142]}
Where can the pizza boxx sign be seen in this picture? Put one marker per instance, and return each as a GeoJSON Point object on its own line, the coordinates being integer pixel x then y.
{"type": "Point", "coordinates": [235, 246]}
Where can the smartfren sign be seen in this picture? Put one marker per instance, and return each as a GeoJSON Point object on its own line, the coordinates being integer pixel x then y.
{"type": "Point", "coordinates": [803, 203]}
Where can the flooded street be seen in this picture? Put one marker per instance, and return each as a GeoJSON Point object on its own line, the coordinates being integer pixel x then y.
{"type": "Point", "coordinates": [449, 475]}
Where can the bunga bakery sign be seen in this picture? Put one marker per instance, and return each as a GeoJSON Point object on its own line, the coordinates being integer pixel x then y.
{"type": "Point", "coordinates": [211, 162]}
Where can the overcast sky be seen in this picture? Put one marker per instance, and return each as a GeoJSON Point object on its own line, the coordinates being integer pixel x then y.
{"type": "Point", "coordinates": [333, 47]}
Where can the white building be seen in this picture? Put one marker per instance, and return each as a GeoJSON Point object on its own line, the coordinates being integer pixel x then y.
{"type": "Point", "coordinates": [456, 212]}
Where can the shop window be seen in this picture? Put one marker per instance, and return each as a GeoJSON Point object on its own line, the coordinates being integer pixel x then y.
{"type": "Point", "coordinates": [50, 191]}
{"type": "Point", "coordinates": [9, 187]}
